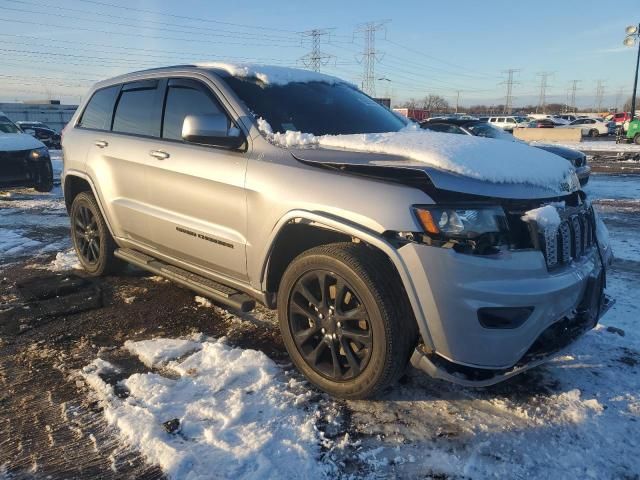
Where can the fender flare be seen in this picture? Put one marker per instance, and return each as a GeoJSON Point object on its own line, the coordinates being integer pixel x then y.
{"type": "Point", "coordinates": [364, 234]}
{"type": "Point", "coordinates": [94, 192]}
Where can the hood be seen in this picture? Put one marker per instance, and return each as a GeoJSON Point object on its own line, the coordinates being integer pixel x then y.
{"type": "Point", "coordinates": [564, 152]}
{"type": "Point", "coordinates": [456, 163]}
{"type": "Point", "coordinates": [10, 142]}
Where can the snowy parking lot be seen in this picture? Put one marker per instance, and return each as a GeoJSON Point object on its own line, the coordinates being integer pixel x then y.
{"type": "Point", "coordinates": [153, 382]}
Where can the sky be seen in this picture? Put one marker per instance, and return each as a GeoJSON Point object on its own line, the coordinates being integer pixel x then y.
{"type": "Point", "coordinates": [58, 48]}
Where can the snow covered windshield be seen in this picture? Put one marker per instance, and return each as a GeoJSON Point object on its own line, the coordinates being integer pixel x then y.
{"type": "Point", "coordinates": [318, 108]}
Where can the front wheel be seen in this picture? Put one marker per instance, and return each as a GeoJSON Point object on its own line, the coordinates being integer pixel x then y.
{"type": "Point", "coordinates": [92, 240]}
{"type": "Point", "coordinates": [345, 319]}
{"type": "Point", "coordinates": [636, 139]}
{"type": "Point", "coordinates": [44, 178]}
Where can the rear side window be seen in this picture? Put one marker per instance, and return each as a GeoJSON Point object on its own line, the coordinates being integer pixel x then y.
{"type": "Point", "coordinates": [100, 109]}
{"type": "Point", "coordinates": [186, 98]}
{"type": "Point", "coordinates": [138, 109]}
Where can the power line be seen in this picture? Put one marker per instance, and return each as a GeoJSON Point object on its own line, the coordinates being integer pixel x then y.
{"type": "Point", "coordinates": [509, 82]}
{"type": "Point", "coordinates": [316, 57]}
{"type": "Point", "coordinates": [542, 100]}
{"type": "Point", "coordinates": [369, 55]}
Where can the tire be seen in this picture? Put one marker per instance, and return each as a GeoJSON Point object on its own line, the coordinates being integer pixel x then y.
{"type": "Point", "coordinates": [44, 181]}
{"type": "Point", "coordinates": [593, 133]}
{"type": "Point", "coordinates": [95, 249]}
{"type": "Point", "coordinates": [375, 325]}
{"type": "Point", "coordinates": [636, 139]}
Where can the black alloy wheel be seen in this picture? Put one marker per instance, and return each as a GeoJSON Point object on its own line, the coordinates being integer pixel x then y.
{"type": "Point", "coordinates": [86, 234]}
{"type": "Point", "coordinates": [330, 325]}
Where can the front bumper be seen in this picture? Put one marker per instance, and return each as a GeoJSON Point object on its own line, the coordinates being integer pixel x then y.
{"type": "Point", "coordinates": [18, 170]}
{"type": "Point", "coordinates": [452, 287]}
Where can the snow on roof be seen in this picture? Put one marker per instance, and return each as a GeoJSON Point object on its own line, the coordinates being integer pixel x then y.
{"type": "Point", "coordinates": [476, 157]}
{"type": "Point", "coordinates": [271, 74]}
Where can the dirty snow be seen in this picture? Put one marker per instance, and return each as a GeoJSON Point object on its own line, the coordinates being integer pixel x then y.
{"type": "Point", "coordinates": [271, 74]}
{"type": "Point", "coordinates": [237, 416]}
{"type": "Point", "coordinates": [67, 260]}
{"type": "Point", "coordinates": [475, 157]}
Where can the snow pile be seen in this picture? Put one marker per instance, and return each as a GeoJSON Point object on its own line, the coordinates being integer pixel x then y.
{"type": "Point", "coordinates": [236, 418]}
{"type": "Point", "coordinates": [547, 217]}
{"type": "Point", "coordinates": [156, 352]}
{"type": "Point", "coordinates": [475, 157]}
{"type": "Point", "coordinates": [270, 74]}
{"type": "Point", "coordinates": [65, 261]}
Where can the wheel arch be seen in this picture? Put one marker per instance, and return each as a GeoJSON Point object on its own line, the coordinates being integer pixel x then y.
{"type": "Point", "coordinates": [77, 182]}
{"type": "Point", "coordinates": [305, 230]}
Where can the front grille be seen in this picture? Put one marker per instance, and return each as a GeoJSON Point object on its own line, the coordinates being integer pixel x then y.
{"type": "Point", "coordinates": [573, 239]}
{"type": "Point", "coordinates": [14, 165]}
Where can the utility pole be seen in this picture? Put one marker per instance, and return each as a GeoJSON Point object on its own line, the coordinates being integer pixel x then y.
{"type": "Point", "coordinates": [542, 101]}
{"type": "Point", "coordinates": [316, 57]}
{"type": "Point", "coordinates": [509, 82]}
{"type": "Point", "coordinates": [574, 88]}
{"type": "Point", "coordinates": [370, 55]}
{"type": "Point", "coordinates": [599, 95]}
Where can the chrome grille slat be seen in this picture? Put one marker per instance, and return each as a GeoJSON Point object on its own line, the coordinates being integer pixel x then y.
{"type": "Point", "coordinates": [572, 240]}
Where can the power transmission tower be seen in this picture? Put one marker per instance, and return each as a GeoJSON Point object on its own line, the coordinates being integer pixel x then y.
{"type": "Point", "coordinates": [509, 82]}
{"type": "Point", "coordinates": [370, 55]}
{"type": "Point", "coordinates": [544, 84]}
{"type": "Point", "coordinates": [457, 99]}
{"type": "Point", "coordinates": [599, 95]}
{"type": "Point", "coordinates": [316, 58]}
{"type": "Point", "coordinates": [619, 96]}
{"type": "Point", "coordinates": [574, 88]}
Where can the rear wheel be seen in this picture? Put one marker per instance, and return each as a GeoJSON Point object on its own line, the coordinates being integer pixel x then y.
{"type": "Point", "coordinates": [593, 132]}
{"type": "Point", "coordinates": [92, 240]}
{"type": "Point", "coordinates": [636, 139]}
{"type": "Point", "coordinates": [345, 319]}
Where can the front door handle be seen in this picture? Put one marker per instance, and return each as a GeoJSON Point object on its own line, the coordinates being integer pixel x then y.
{"type": "Point", "coordinates": [101, 143]}
{"type": "Point", "coordinates": [159, 154]}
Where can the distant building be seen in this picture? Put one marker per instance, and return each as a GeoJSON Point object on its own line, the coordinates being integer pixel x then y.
{"type": "Point", "coordinates": [51, 112]}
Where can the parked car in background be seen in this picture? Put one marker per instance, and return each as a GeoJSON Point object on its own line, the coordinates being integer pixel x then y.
{"type": "Point", "coordinates": [24, 161]}
{"type": "Point", "coordinates": [543, 123]}
{"type": "Point", "coordinates": [620, 117]}
{"type": "Point", "coordinates": [372, 258]}
{"type": "Point", "coordinates": [566, 117]}
{"type": "Point", "coordinates": [483, 129]}
{"type": "Point", "coordinates": [24, 124]}
{"type": "Point", "coordinates": [507, 123]}
{"type": "Point", "coordinates": [591, 127]}
{"type": "Point", "coordinates": [49, 137]}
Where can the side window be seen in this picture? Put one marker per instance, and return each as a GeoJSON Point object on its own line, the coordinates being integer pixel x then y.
{"type": "Point", "coordinates": [510, 120]}
{"type": "Point", "coordinates": [99, 110]}
{"type": "Point", "coordinates": [186, 97]}
{"type": "Point", "coordinates": [139, 109]}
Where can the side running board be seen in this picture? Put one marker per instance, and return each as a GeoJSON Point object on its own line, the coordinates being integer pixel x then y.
{"type": "Point", "coordinates": [208, 288]}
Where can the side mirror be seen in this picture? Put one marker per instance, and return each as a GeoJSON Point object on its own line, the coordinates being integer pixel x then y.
{"type": "Point", "coordinates": [211, 129]}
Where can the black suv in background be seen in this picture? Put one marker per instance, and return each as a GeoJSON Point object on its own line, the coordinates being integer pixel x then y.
{"type": "Point", "coordinates": [24, 160]}
{"type": "Point", "coordinates": [481, 128]}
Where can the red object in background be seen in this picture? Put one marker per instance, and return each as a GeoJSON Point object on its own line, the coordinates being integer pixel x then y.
{"type": "Point", "coordinates": [417, 114]}
{"type": "Point", "coordinates": [621, 117]}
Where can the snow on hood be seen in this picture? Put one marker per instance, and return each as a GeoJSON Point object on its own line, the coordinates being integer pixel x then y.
{"type": "Point", "coordinates": [270, 74]}
{"type": "Point", "coordinates": [474, 157]}
{"type": "Point", "coordinates": [18, 141]}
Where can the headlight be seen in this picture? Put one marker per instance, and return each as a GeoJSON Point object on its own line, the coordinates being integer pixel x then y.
{"type": "Point", "coordinates": [468, 230]}
{"type": "Point", "coordinates": [38, 153]}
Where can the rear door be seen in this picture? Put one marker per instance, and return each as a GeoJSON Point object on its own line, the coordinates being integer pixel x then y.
{"type": "Point", "coordinates": [118, 158]}
{"type": "Point", "coordinates": [198, 212]}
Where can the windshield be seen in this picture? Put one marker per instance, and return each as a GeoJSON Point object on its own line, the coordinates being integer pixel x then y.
{"type": "Point", "coordinates": [6, 126]}
{"type": "Point", "coordinates": [482, 129]}
{"type": "Point", "coordinates": [315, 107]}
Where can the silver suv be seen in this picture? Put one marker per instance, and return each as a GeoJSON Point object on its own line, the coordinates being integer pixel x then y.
{"type": "Point", "coordinates": [371, 259]}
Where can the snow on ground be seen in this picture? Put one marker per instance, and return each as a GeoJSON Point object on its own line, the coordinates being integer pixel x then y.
{"type": "Point", "coordinates": [602, 146]}
{"type": "Point", "coordinates": [234, 414]}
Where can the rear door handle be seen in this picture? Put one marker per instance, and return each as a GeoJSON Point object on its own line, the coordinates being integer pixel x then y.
{"type": "Point", "coordinates": [101, 143]}
{"type": "Point", "coordinates": [159, 154]}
